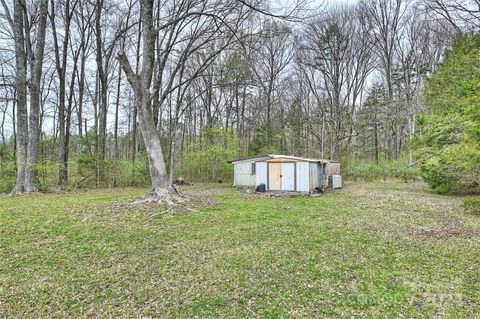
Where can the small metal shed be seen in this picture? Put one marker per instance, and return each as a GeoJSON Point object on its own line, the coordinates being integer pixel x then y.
{"type": "Point", "coordinates": [284, 173]}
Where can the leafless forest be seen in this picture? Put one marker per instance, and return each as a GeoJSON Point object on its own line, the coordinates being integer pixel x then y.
{"type": "Point", "coordinates": [96, 93]}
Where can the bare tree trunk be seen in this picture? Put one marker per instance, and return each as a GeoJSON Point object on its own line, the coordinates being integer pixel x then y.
{"type": "Point", "coordinates": [134, 134]}
{"type": "Point", "coordinates": [21, 95]}
{"type": "Point", "coordinates": [172, 153]}
{"type": "Point", "coordinates": [81, 93]}
{"type": "Point", "coordinates": [117, 106]}
{"type": "Point", "coordinates": [69, 109]}
{"type": "Point", "coordinates": [34, 119]}
{"type": "Point", "coordinates": [134, 119]}
{"type": "Point", "coordinates": [61, 66]}
{"type": "Point", "coordinates": [411, 124]}
{"type": "Point", "coordinates": [102, 110]}
{"type": "Point", "coordinates": [14, 121]}
{"type": "Point", "coordinates": [377, 153]}
{"type": "Point", "coordinates": [2, 125]}
{"type": "Point", "coordinates": [141, 86]}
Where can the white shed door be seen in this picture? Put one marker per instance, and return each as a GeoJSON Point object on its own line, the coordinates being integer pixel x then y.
{"type": "Point", "coordinates": [288, 176]}
{"type": "Point", "coordinates": [260, 173]}
{"type": "Point", "coordinates": [303, 177]}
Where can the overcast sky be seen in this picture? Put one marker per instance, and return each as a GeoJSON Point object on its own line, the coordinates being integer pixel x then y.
{"type": "Point", "coordinates": [337, 1]}
{"type": "Point", "coordinates": [283, 4]}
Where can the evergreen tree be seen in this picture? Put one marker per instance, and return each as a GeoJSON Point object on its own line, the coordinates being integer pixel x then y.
{"type": "Point", "coordinates": [450, 133]}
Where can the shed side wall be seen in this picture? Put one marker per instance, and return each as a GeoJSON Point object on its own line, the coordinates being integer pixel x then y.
{"type": "Point", "coordinates": [243, 174]}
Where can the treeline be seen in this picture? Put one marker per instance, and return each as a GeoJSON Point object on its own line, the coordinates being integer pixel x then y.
{"type": "Point", "coordinates": [224, 79]}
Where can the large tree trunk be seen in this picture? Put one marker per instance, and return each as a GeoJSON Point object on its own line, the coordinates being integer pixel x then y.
{"type": "Point", "coordinates": [156, 161]}
{"type": "Point", "coordinates": [36, 63]}
{"type": "Point", "coordinates": [21, 95]}
{"type": "Point", "coordinates": [141, 83]}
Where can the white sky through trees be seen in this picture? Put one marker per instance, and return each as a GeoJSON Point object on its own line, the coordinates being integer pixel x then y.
{"type": "Point", "coordinates": [314, 3]}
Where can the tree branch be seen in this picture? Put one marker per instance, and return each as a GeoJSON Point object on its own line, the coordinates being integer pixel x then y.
{"type": "Point", "coordinates": [132, 78]}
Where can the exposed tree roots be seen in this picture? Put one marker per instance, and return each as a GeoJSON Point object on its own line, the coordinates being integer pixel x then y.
{"type": "Point", "coordinates": [171, 197]}
{"type": "Point", "coordinates": [23, 191]}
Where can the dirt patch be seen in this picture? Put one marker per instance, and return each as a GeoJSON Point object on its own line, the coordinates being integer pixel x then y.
{"type": "Point", "coordinates": [271, 194]}
{"type": "Point", "coordinates": [446, 226]}
{"type": "Point", "coordinates": [206, 192]}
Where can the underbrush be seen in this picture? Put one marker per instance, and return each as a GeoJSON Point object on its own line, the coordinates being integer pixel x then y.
{"type": "Point", "coordinates": [358, 170]}
{"type": "Point", "coordinates": [7, 170]}
{"type": "Point", "coordinates": [82, 173]}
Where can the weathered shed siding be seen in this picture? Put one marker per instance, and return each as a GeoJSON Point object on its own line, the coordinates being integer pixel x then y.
{"type": "Point", "coordinates": [313, 172]}
{"type": "Point", "coordinates": [316, 173]}
{"type": "Point", "coordinates": [243, 174]}
{"type": "Point", "coordinates": [261, 173]}
{"type": "Point", "coordinates": [303, 177]}
{"type": "Point", "coordinates": [319, 176]}
{"type": "Point", "coordinates": [332, 168]}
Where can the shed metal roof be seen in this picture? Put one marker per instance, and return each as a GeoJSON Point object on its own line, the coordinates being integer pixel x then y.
{"type": "Point", "coordinates": [275, 156]}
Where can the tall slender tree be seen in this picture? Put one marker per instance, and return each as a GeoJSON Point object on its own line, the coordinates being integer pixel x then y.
{"type": "Point", "coordinates": [21, 95]}
{"type": "Point", "coordinates": [34, 129]}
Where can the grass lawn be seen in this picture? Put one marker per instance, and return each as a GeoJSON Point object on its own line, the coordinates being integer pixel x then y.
{"type": "Point", "coordinates": [373, 250]}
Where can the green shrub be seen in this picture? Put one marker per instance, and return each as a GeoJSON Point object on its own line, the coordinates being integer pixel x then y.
{"type": "Point", "coordinates": [453, 171]}
{"type": "Point", "coordinates": [132, 174]}
{"type": "Point", "coordinates": [7, 170]}
{"type": "Point", "coordinates": [7, 183]}
{"type": "Point", "coordinates": [472, 205]}
{"type": "Point", "coordinates": [358, 170]}
{"type": "Point", "coordinates": [449, 134]}
{"type": "Point", "coordinates": [206, 160]}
